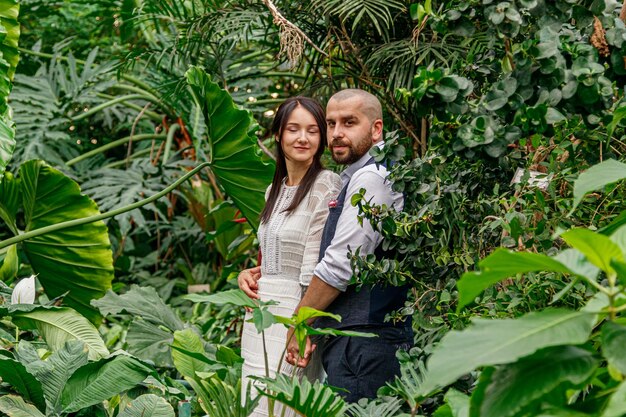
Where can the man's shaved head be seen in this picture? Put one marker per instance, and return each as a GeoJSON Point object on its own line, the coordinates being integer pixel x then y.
{"type": "Point", "coordinates": [370, 106]}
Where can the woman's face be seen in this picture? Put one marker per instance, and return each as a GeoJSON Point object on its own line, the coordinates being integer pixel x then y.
{"type": "Point", "coordinates": [300, 137]}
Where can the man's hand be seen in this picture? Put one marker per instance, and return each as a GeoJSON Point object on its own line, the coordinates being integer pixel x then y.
{"type": "Point", "coordinates": [247, 281]}
{"type": "Point", "coordinates": [293, 350]}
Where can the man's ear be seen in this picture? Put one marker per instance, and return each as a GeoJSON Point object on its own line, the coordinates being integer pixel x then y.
{"type": "Point", "coordinates": [377, 130]}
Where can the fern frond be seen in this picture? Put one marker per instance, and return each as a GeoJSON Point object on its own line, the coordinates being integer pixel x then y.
{"type": "Point", "coordinates": [375, 408]}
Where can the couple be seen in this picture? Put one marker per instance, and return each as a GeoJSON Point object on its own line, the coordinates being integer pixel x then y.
{"type": "Point", "coordinates": [308, 226]}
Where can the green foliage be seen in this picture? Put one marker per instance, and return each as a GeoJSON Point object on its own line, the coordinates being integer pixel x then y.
{"type": "Point", "coordinates": [9, 34]}
{"type": "Point", "coordinates": [230, 146]}
{"type": "Point", "coordinates": [148, 405]}
{"type": "Point", "coordinates": [77, 260]}
{"type": "Point", "coordinates": [308, 399]}
{"type": "Point", "coordinates": [57, 325]}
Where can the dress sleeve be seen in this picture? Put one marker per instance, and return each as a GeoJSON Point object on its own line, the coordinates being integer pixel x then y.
{"type": "Point", "coordinates": [326, 188]}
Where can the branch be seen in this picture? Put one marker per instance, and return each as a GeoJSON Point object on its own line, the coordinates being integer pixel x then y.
{"type": "Point", "coordinates": [291, 35]}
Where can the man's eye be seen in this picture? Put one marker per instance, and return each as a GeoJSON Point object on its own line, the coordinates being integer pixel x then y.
{"type": "Point", "coordinates": [349, 123]}
{"type": "Point", "coordinates": [331, 124]}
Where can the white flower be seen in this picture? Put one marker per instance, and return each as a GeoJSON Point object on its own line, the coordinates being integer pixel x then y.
{"type": "Point", "coordinates": [24, 291]}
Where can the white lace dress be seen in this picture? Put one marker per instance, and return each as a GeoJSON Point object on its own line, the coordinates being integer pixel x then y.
{"type": "Point", "coordinates": [290, 245]}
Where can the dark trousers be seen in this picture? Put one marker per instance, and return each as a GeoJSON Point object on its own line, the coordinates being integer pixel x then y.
{"type": "Point", "coordinates": [361, 365]}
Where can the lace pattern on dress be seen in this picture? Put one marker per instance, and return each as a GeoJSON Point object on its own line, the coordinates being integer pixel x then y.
{"type": "Point", "coordinates": [271, 236]}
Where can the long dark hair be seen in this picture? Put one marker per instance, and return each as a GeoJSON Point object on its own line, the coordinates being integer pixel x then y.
{"type": "Point", "coordinates": [278, 125]}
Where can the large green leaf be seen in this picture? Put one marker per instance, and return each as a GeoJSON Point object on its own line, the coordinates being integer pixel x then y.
{"type": "Point", "coordinates": [143, 302]}
{"type": "Point", "coordinates": [311, 400]}
{"type": "Point", "coordinates": [220, 399]}
{"type": "Point", "coordinates": [598, 249]}
{"type": "Point", "coordinates": [235, 297]}
{"type": "Point", "coordinates": [613, 342]}
{"type": "Point", "coordinates": [57, 325]}
{"type": "Point", "coordinates": [547, 374]}
{"type": "Point", "coordinates": [500, 265]}
{"type": "Point", "coordinates": [617, 403]}
{"type": "Point", "coordinates": [150, 342]}
{"type": "Point", "coordinates": [148, 405]}
{"type": "Point", "coordinates": [76, 260]}
{"type": "Point", "coordinates": [494, 342]}
{"type": "Point", "coordinates": [99, 381]}
{"type": "Point", "coordinates": [15, 374]}
{"type": "Point", "coordinates": [188, 340]}
{"type": "Point", "coordinates": [54, 372]}
{"type": "Point", "coordinates": [14, 406]}
{"type": "Point", "coordinates": [231, 146]}
{"type": "Point", "coordinates": [596, 177]}
{"type": "Point", "coordinates": [9, 35]}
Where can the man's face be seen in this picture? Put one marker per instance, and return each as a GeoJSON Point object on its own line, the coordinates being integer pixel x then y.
{"type": "Point", "coordinates": [350, 133]}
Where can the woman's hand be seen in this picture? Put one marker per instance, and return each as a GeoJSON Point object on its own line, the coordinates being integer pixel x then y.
{"type": "Point", "coordinates": [247, 281]}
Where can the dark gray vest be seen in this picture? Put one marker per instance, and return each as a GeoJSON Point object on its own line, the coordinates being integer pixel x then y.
{"type": "Point", "coordinates": [367, 306]}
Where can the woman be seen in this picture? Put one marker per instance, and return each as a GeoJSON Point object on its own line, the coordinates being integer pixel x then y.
{"type": "Point", "coordinates": [289, 236]}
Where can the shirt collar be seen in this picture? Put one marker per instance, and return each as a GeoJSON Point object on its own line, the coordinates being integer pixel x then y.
{"type": "Point", "coordinates": [354, 167]}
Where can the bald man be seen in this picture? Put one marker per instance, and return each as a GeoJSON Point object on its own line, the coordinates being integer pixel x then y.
{"type": "Point", "coordinates": [358, 365]}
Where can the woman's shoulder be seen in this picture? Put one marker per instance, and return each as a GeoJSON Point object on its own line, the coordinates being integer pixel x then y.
{"type": "Point", "coordinates": [327, 181]}
{"type": "Point", "coordinates": [328, 176]}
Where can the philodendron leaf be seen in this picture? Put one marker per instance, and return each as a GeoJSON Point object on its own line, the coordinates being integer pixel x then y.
{"type": "Point", "coordinates": [596, 177]}
{"type": "Point", "coordinates": [15, 374]}
{"type": "Point", "coordinates": [613, 342]}
{"type": "Point", "coordinates": [500, 265]}
{"type": "Point", "coordinates": [140, 301]}
{"type": "Point", "coordinates": [235, 297]}
{"type": "Point", "coordinates": [14, 406]}
{"type": "Point", "coordinates": [148, 405]}
{"type": "Point", "coordinates": [188, 340]}
{"type": "Point", "coordinates": [57, 325]}
{"type": "Point", "coordinates": [99, 381]}
{"type": "Point", "coordinates": [262, 319]}
{"type": "Point", "coordinates": [231, 146]}
{"type": "Point", "coordinates": [311, 400]}
{"type": "Point", "coordinates": [9, 35]}
{"type": "Point", "coordinates": [55, 370]}
{"type": "Point", "coordinates": [507, 390]}
{"type": "Point", "coordinates": [77, 260]}
{"type": "Point", "coordinates": [597, 248]}
{"type": "Point", "coordinates": [494, 342]}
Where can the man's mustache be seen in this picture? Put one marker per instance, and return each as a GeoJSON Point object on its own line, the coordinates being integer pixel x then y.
{"type": "Point", "coordinates": [337, 142]}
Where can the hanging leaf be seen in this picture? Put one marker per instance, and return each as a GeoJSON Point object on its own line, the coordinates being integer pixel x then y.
{"type": "Point", "coordinates": [187, 365]}
{"type": "Point", "coordinates": [57, 325]}
{"type": "Point", "coordinates": [148, 405]}
{"type": "Point", "coordinates": [231, 146]}
{"type": "Point", "coordinates": [76, 260]}
{"type": "Point", "coordinates": [493, 342]}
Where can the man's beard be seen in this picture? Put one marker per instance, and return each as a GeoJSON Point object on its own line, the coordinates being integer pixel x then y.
{"type": "Point", "coordinates": [354, 153]}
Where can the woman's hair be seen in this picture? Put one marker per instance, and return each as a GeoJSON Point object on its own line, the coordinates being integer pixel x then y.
{"type": "Point", "coordinates": [278, 125]}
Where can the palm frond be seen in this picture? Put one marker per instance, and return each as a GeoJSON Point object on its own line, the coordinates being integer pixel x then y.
{"type": "Point", "coordinates": [311, 400]}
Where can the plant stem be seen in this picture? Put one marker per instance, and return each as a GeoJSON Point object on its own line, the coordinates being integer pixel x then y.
{"type": "Point", "coordinates": [108, 104]}
{"type": "Point", "coordinates": [97, 217]}
{"type": "Point", "coordinates": [152, 115]}
{"type": "Point", "coordinates": [111, 145]}
{"type": "Point", "coordinates": [168, 142]}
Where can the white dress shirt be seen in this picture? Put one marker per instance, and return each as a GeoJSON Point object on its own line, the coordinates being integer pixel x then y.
{"type": "Point", "coordinates": [334, 268]}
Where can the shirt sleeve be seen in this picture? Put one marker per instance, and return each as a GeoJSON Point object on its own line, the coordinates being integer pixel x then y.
{"type": "Point", "coordinates": [334, 269]}
{"type": "Point", "coordinates": [326, 188]}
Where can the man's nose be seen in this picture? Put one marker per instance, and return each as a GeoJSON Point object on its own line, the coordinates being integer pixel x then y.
{"type": "Point", "coordinates": [336, 131]}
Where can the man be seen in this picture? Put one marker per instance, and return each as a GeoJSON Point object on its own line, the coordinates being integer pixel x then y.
{"type": "Point", "coordinates": [357, 364]}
